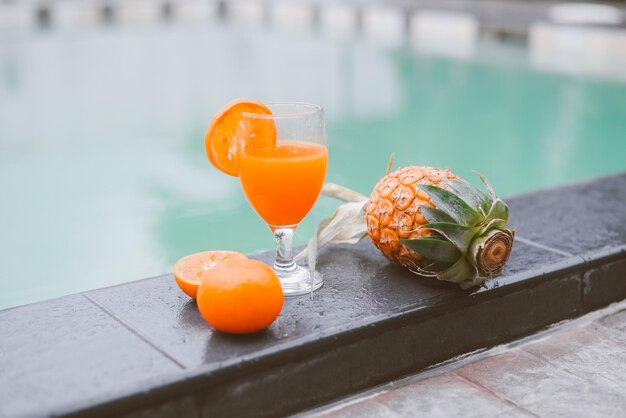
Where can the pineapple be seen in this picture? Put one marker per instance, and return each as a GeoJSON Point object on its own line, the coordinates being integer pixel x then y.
{"type": "Point", "coordinates": [427, 220]}
{"type": "Point", "coordinates": [438, 225]}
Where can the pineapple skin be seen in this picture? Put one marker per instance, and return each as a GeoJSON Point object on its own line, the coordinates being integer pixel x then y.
{"type": "Point", "coordinates": [393, 211]}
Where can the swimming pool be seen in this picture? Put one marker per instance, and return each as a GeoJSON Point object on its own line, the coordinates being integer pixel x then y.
{"type": "Point", "coordinates": [103, 177]}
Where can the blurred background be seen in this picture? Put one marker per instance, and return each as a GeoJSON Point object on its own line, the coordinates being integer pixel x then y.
{"type": "Point", "coordinates": [104, 105]}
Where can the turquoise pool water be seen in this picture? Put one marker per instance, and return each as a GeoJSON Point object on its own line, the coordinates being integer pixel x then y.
{"type": "Point", "coordinates": [103, 177]}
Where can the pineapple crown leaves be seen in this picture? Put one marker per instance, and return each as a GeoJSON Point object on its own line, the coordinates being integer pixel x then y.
{"type": "Point", "coordinates": [472, 241]}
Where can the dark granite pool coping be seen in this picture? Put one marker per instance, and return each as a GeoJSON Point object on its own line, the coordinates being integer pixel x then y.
{"type": "Point", "coordinates": [141, 348]}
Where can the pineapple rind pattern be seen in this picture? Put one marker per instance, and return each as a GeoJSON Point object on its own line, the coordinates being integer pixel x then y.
{"type": "Point", "coordinates": [438, 225]}
{"type": "Point", "coordinates": [393, 211]}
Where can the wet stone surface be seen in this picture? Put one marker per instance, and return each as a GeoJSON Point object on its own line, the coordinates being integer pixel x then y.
{"type": "Point", "coordinates": [576, 369]}
{"type": "Point", "coordinates": [444, 396]}
{"type": "Point", "coordinates": [544, 389]}
{"type": "Point", "coordinates": [605, 283]}
{"type": "Point", "coordinates": [583, 352]}
{"type": "Point", "coordinates": [613, 326]}
{"type": "Point", "coordinates": [576, 219]}
{"type": "Point", "coordinates": [440, 396]}
{"type": "Point", "coordinates": [371, 409]}
{"type": "Point", "coordinates": [68, 351]}
{"type": "Point", "coordinates": [183, 407]}
{"type": "Point", "coordinates": [359, 285]}
{"type": "Point", "coordinates": [143, 346]}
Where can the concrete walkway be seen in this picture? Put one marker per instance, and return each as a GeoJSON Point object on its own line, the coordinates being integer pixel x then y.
{"type": "Point", "coordinates": [575, 369]}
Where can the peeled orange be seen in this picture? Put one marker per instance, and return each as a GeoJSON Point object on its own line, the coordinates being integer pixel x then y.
{"type": "Point", "coordinates": [220, 138]}
{"type": "Point", "coordinates": [240, 296]}
{"type": "Point", "coordinates": [188, 271]}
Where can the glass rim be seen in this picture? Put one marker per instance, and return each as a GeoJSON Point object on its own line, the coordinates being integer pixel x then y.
{"type": "Point", "coordinates": [314, 108]}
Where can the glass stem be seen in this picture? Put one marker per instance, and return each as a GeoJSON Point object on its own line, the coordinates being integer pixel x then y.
{"type": "Point", "coordinates": [284, 249]}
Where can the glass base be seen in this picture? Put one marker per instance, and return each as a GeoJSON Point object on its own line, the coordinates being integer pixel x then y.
{"type": "Point", "coordinates": [297, 281]}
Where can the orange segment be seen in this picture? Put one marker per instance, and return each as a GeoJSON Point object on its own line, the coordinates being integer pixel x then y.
{"type": "Point", "coordinates": [220, 138]}
{"type": "Point", "coordinates": [188, 271]}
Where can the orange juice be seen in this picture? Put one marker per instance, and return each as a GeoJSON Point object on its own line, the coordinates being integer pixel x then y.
{"type": "Point", "coordinates": [282, 183]}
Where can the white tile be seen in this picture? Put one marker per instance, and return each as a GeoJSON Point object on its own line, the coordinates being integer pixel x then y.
{"type": "Point", "coordinates": [585, 13]}
{"type": "Point", "coordinates": [384, 25]}
{"type": "Point", "coordinates": [444, 395]}
{"type": "Point", "coordinates": [77, 13]}
{"type": "Point", "coordinates": [17, 15]}
{"type": "Point", "coordinates": [444, 33]}
{"type": "Point", "coordinates": [137, 11]}
{"type": "Point", "coordinates": [293, 15]}
{"type": "Point", "coordinates": [248, 12]}
{"type": "Point", "coordinates": [195, 10]}
{"type": "Point", "coordinates": [338, 20]}
{"type": "Point", "coordinates": [578, 50]}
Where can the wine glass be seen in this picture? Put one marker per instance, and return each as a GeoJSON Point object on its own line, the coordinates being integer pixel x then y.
{"type": "Point", "coordinates": [282, 160]}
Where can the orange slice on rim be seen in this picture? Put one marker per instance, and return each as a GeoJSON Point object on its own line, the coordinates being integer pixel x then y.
{"type": "Point", "coordinates": [189, 270]}
{"type": "Point", "coordinates": [220, 140]}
